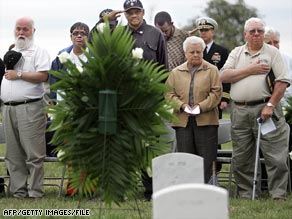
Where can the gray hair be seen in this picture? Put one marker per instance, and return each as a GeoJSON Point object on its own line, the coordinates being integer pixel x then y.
{"type": "Point", "coordinates": [271, 31]}
{"type": "Point", "coordinates": [29, 20]}
{"type": "Point", "coordinates": [193, 40]}
{"type": "Point", "coordinates": [251, 20]}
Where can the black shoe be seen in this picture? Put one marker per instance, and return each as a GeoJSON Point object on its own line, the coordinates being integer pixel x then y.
{"type": "Point", "coordinates": [148, 196]}
{"type": "Point", "coordinates": [2, 187]}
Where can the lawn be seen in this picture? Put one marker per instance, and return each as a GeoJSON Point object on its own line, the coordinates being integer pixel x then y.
{"type": "Point", "coordinates": [264, 208]}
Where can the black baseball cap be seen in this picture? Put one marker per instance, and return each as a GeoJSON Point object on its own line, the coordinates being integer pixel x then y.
{"type": "Point", "coordinates": [105, 12]}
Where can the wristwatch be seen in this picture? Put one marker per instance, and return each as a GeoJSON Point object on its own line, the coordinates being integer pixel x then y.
{"type": "Point", "coordinates": [19, 74]}
{"type": "Point", "coordinates": [270, 104]}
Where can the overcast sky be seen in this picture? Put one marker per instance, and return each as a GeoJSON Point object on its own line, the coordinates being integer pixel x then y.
{"type": "Point", "coordinates": [53, 18]}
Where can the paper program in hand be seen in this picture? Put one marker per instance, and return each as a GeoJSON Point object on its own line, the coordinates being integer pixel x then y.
{"type": "Point", "coordinates": [193, 111]}
{"type": "Point", "coordinates": [268, 126]}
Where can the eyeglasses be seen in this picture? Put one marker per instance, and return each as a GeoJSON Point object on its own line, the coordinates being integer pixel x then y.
{"type": "Point", "coordinates": [81, 33]}
{"type": "Point", "coordinates": [253, 31]}
{"type": "Point", "coordinates": [273, 42]}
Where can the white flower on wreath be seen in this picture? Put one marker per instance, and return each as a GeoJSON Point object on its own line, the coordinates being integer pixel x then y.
{"type": "Point", "coordinates": [60, 154]}
{"type": "Point", "coordinates": [137, 53]}
{"type": "Point", "coordinates": [290, 155]}
{"type": "Point", "coordinates": [79, 68]}
{"type": "Point", "coordinates": [64, 57]}
{"type": "Point", "coordinates": [100, 27]}
{"type": "Point", "coordinates": [85, 99]}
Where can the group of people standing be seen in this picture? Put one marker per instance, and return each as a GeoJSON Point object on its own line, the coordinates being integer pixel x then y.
{"type": "Point", "coordinates": [197, 66]}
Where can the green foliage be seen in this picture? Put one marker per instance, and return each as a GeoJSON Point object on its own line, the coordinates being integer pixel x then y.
{"type": "Point", "coordinates": [230, 18]}
{"type": "Point", "coordinates": [110, 163]}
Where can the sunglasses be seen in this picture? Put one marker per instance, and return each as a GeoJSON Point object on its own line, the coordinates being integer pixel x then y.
{"type": "Point", "coordinates": [81, 33]}
{"type": "Point", "coordinates": [253, 31]}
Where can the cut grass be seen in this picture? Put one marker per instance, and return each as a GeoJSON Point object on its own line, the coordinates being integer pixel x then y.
{"type": "Point", "coordinates": [264, 208]}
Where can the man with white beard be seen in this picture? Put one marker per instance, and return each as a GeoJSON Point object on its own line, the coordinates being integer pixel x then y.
{"type": "Point", "coordinates": [24, 119]}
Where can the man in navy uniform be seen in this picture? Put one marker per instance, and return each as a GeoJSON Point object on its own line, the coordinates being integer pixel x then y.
{"type": "Point", "coordinates": [216, 55]}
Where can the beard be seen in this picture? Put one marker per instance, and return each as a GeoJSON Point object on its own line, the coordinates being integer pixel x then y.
{"type": "Point", "coordinates": [22, 42]}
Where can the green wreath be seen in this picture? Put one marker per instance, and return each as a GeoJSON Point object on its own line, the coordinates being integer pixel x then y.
{"type": "Point", "coordinates": [110, 123]}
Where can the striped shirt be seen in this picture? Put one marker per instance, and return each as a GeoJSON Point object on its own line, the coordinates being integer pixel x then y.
{"type": "Point", "coordinates": [174, 44]}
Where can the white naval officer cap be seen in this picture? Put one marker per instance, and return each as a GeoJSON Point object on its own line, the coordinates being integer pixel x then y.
{"type": "Point", "coordinates": [206, 23]}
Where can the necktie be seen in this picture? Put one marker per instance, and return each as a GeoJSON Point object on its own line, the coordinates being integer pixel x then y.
{"type": "Point", "coordinates": [205, 50]}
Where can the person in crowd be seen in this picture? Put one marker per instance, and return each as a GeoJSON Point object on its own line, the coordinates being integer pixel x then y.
{"type": "Point", "coordinates": [272, 37]}
{"type": "Point", "coordinates": [216, 55]}
{"type": "Point", "coordinates": [79, 33]}
{"type": "Point", "coordinates": [23, 115]}
{"type": "Point", "coordinates": [2, 72]}
{"type": "Point", "coordinates": [147, 37]}
{"type": "Point", "coordinates": [246, 69]}
{"type": "Point", "coordinates": [112, 17]}
{"type": "Point", "coordinates": [174, 39]}
{"type": "Point", "coordinates": [152, 41]}
{"type": "Point", "coordinates": [197, 113]}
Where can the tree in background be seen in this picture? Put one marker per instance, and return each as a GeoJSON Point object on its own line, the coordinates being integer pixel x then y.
{"type": "Point", "coordinates": [230, 18]}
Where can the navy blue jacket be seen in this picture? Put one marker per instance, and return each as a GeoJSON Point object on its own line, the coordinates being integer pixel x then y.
{"type": "Point", "coordinates": [57, 65]}
{"type": "Point", "coordinates": [152, 41]}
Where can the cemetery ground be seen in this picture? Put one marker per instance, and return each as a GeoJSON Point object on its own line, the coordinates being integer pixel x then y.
{"type": "Point", "coordinates": [263, 208]}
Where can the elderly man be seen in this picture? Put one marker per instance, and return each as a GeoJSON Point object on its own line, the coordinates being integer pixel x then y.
{"type": "Point", "coordinates": [23, 113]}
{"type": "Point", "coordinates": [246, 69]}
{"type": "Point", "coordinates": [152, 41]}
{"type": "Point", "coordinates": [272, 37]}
{"type": "Point", "coordinates": [147, 37]}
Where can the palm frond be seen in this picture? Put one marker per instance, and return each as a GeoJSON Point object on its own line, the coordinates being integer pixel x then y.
{"type": "Point", "coordinates": [110, 162]}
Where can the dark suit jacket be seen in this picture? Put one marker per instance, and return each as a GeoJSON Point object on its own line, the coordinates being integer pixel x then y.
{"type": "Point", "coordinates": [2, 70]}
{"type": "Point", "coordinates": [218, 55]}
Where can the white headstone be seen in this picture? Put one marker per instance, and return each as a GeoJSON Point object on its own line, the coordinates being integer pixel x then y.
{"type": "Point", "coordinates": [191, 201]}
{"type": "Point", "coordinates": [224, 131]}
{"type": "Point", "coordinates": [176, 168]}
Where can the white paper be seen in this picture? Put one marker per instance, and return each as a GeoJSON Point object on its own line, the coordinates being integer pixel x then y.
{"type": "Point", "coordinates": [268, 126]}
{"type": "Point", "coordinates": [193, 111]}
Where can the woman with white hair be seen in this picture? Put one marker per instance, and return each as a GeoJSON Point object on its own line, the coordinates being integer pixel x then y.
{"type": "Point", "coordinates": [196, 90]}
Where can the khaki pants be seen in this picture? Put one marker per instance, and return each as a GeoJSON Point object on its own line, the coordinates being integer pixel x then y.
{"type": "Point", "coordinates": [24, 127]}
{"type": "Point", "coordinates": [273, 145]}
